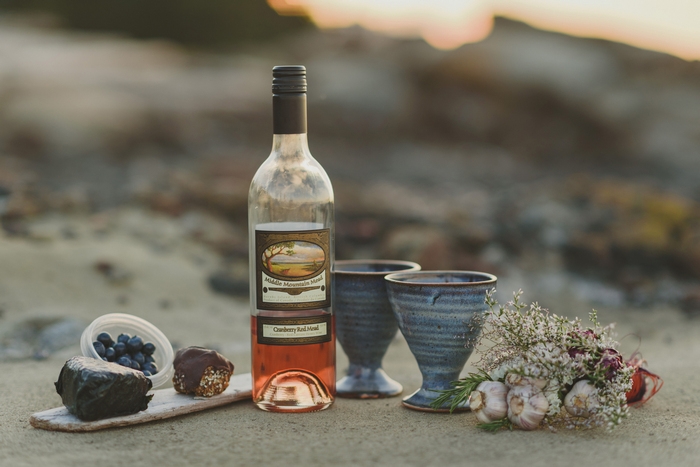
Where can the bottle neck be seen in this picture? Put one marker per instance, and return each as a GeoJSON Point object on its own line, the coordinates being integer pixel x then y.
{"type": "Point", "coordinates": [289, 113]}
{"type": "Point", "coordinates": [296, 145]}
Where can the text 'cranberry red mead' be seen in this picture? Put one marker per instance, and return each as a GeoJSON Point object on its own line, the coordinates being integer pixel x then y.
{"type": "Point", "coordinates": [291, 233]}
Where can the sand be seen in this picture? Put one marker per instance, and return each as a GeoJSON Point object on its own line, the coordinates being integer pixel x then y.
{"type": "Point", "coordinates": [53, 276]}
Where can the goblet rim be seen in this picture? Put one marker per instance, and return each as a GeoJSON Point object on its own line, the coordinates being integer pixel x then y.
{"type": "Point", "coordinates": [409, 266]}
{"type": "Point", "coordinates": [418, 278]}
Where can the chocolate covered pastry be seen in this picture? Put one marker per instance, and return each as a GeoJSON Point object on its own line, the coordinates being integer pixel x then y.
{"type": "Point", "coordinates": [201, 372]}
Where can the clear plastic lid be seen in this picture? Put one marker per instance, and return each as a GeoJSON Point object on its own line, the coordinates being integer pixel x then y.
{"type": "Point", "coordinates": [118, 323]}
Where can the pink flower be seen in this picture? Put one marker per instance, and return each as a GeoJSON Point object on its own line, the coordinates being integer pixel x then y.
{"type": "Point", "coordinates": [578, 334]}
{"type": "Point", "coordinates": [611, 361]}
{"type": "Point", "coordinates": [575, 351]}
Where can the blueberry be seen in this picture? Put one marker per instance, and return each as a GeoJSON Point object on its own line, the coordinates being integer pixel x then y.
{"type": "Point", "coordinates": [134, 345]}
{"type": "Point", "coordinates": [147, 373]}
{"type": "Point", "coordinates": [150, 367]}
{"type": "Point", "coordinates": [123, 338]}
{"type": "Point", "coordinates": [135, 365]}
{"type": "Point", "coordinates": [124, 361]}
{"type": "Point", "coordinates": [99, 348]}
{"type": "Point", "coordinates": [148, 348]}
{"type": "Point", "coordinates": [105, 359]}
{"type": "Point", "coordinates": [149, 359]}
{"type": "Point", "coordinates": [139, 358]}
{"type": "Point", "coordinates": [110, 354]}
{"type": "Point", "coordinates": [119, 349]}
{"type": "Point", "coordinates": [106, 339]}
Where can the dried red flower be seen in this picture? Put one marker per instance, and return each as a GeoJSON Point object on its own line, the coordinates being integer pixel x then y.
{"type": "Point", "coordinates": [644, 383]}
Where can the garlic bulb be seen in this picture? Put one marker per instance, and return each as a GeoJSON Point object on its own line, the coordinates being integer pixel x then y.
{"type": "Point", "coordinates": [527, 406]}
{"type": "Point", "coordinates": [514, 379]}
{"type": "Point", "coordinates": [488, 401]}
{"type": "Point", "coordinates": [582, 399]}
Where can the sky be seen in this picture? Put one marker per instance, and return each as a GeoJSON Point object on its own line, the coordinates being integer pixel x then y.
{"type": "Point", "coordinates": [671, 26]}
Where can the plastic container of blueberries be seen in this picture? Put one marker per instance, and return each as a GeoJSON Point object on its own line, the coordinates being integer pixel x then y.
{"type": "Point", "coordinates": [118, 323]}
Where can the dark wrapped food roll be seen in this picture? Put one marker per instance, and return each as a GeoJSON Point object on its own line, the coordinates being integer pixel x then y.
{"type": "Point", "coordinates": [93, 389]}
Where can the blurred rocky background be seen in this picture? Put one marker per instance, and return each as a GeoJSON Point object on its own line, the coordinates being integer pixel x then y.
{"type": "Point", "coordinates": [569, 167]}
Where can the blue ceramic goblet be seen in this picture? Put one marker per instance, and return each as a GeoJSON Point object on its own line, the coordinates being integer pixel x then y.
{"type": "Point", "coordinates": [440, 315]}
{"type": "Point", "coordinates": [365, 325]}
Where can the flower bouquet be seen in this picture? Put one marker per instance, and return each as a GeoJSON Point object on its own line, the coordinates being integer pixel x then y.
{"type": "Point", "coordinates": [543, 369]}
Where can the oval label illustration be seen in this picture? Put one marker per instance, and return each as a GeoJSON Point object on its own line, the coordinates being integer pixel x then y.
{"type": "Point", "coordinates": [293, 259]}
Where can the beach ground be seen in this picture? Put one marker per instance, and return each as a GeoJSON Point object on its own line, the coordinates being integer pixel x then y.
{"type": "Point", "coordinates": [54, 277]}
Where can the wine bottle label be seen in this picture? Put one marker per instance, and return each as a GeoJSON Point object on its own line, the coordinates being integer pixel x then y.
{"type": "Point", "coordinates": [273, 330]}
{"type": "Point", "coordinates": [293, 270]}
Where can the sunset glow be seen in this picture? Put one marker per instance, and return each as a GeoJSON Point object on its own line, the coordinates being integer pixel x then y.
{"type": "Point", "coordinates": [671, 26]}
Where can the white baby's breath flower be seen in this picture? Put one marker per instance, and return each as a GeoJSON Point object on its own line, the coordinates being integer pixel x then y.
{"type": "Point", "coordinates": [551, 392]}
{"type": "Point", "coordinates": [499, 373]}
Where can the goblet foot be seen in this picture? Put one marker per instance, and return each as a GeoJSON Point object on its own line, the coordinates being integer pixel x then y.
{"type": "Point", "coordinates": [366, 383]}
{"type": "Point", "coordinates": [422, 398]}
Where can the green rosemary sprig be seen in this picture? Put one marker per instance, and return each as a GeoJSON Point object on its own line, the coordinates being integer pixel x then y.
{"type": "Point", "coordinates": [497, 425]}
{"type": "Point", "coordinates": [460, 390]}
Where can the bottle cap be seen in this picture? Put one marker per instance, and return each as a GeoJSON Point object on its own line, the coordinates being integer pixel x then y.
{"type": "Point", "coordinates": [289, 79]}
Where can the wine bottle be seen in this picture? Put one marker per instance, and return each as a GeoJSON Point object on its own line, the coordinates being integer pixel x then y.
{"type": "Point", "coordinates": [291, 235]}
